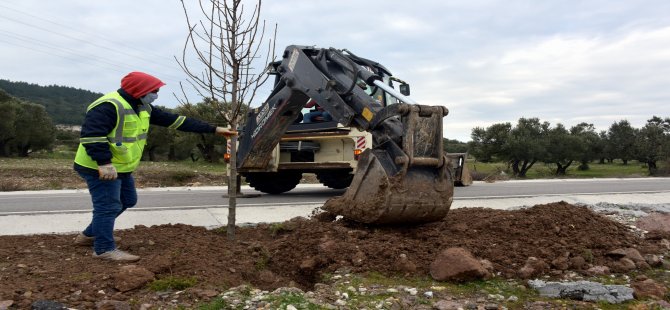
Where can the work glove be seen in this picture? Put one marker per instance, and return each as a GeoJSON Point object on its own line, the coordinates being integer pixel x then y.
{"type": "Point", "coordinates": [107, 172]}
{"type": "Point", "coordinates": [226, 132]}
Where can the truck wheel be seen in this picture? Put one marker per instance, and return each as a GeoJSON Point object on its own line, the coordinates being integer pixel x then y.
{"type": "Point", "coordinates": [273, 183]}
{"type": "Point", "coordinates": [335, 179]}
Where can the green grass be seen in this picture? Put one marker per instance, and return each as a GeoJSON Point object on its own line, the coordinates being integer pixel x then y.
{"type": "Point", "coordinates": [187, 169]}
{"type": "Point", "coordinates": [189, 166]}
{"type": "Point", "coordinates": [381, 287]}
{"type": "Point", "coordinates": [596, 170]}
{"type": "Point", "coordinates": [174, 283]}
{"type": "Point", "coordinates": [506, 288]}
{"type": "Point", "coordinates": [34, 163]}
{"type": "Point", "coordinates": [66, 162]}
{"type": "Point", "coordinates": [473, 289]}
{"type": "Point", "coordinates": [54, 171]}
{"type": "Point", "coordinates": [277, 229]}
{"type": "Point", "coordinates": [216, 304]}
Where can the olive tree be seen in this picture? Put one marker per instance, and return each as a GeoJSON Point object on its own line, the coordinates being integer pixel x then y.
{"type": "Point", "coordinates": [26, 127]}
{"type": "Point", "coordinates": [527, 145]}
{"type": "Point", "coordinates": [36, 131]}
{"type": "Point", "coordinates": [520, 146]}
{"type": "Point", "coordinates": [653, 142]}
{"type": "Point", "coordinates": [9, 108]}
{"type": "Point", "coordinates": [210, 147]}
{"type": "Point", "coordinates": [488, 144]}
{"type": "Point", "coordinates": [592, 145]}
{"type": "Point", "coordinates": [563, 148]}
{"type": "Point", "coordinates": [621, 140]}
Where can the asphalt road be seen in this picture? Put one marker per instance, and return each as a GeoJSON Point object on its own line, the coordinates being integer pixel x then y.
{"type": "Point", "coordinates": [177, 198]}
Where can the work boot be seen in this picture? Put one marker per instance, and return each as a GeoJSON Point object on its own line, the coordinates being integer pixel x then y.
{"type": "Point", "coordinates": [118, 256]}
{"type": "Point", "coordinates": [84, 240]}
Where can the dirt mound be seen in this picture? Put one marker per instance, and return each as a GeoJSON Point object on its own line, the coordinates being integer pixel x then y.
{"type": "Point", "coordinates": [299, 251]}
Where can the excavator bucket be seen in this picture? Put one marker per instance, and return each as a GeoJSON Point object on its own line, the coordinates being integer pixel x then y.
{"type": "Point", "coordinates": [410, 182]}
{"type": "Point", "coordinates": [461, 172]}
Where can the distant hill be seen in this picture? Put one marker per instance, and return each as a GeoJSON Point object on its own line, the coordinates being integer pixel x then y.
{"type": "Point", "coordinates": [65, 105]}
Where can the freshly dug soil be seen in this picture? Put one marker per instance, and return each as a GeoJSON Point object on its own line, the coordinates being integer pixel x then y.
{"type": "Point", "coordinates": [298, 252]}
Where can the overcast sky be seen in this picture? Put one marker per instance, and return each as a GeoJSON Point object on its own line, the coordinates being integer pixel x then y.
{"type": "Point", "coordinates": [487, 61]}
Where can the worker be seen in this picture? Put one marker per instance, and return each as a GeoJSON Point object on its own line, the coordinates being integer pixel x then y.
{"type": "Point", "coordinates": [113, 137]}
{"type": "Point", "coordinates": [317, 114]}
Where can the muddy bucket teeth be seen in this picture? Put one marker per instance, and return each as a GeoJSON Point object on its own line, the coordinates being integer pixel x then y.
{"type": "Point", "coordinates": [377, 195]}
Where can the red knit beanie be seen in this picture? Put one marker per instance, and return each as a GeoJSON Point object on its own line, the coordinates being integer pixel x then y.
{"type": "Point", "coordinates": [138, 84]}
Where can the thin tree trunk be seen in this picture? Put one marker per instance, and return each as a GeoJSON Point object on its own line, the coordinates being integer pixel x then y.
{"type": "Point", "coordinates": [234, 39]}
{"type": "Point", "coordinates": [584, 165]}
{"type": "Point", "coordinates": [24, 150]}
{"type": "Point", "coordinates": [562, 169]}
{"type": "Point", "coordinates": [172, 155]}
{"type": "Point", "coordinates": [653, 169]}
{"type": "Point", "coordinates": [3, 149]}
{"type": "Point", "coordinates": [152, 153]}
{"type": "Point", "coordinates": [526, 166]}
{"type": "Point", "coordinates": [515, 168]}
{"type": "Point", "coordinates": [523, 169]}
{"type": "Point", "coordinates": [558, 169]}
{"type": "Point", "coordinates": [232, 186]}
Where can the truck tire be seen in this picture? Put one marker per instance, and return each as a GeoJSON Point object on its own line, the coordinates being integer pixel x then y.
{"type": "Point", "coordinates": [273, 183]}
{"type": "Point", "coordinates": [337, 179]}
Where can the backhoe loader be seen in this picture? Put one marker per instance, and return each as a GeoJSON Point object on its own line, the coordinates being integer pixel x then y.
{"type": "Point", "coordinates": [369, 137]}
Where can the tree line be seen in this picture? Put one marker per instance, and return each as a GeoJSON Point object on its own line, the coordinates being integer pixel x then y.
{"type": "Point", "coordinates": [531, 141]}
{"type": "Point", "coordinates": [65, 105]}
{"type": "Point", "coordinates": [27, 127]}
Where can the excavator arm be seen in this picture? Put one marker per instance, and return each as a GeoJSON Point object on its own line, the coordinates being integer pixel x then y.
{"type": "Point", "coordinates": [404, 178]}
{"type": "Point", "coordinates": [324, 75]}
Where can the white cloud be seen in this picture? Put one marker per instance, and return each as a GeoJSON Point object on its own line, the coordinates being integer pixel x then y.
{"type": "Point", "coordinates": [559, 77]}
{"type": "Point", "coordinates": [488, 61]}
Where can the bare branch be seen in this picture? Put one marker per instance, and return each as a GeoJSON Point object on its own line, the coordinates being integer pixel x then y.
{"type": "Point", "coordinates": [220, 51]}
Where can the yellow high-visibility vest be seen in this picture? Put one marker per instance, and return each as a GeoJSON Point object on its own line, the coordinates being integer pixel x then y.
{"type": "Point", "coordinates": [126, 140]}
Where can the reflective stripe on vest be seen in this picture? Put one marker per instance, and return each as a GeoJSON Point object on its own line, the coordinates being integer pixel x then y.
{"type": "Point", "coordinates": [180, 120]}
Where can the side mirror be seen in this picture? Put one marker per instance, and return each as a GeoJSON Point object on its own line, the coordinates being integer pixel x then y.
{"type": "Point", "coordinates": [404, 89]}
